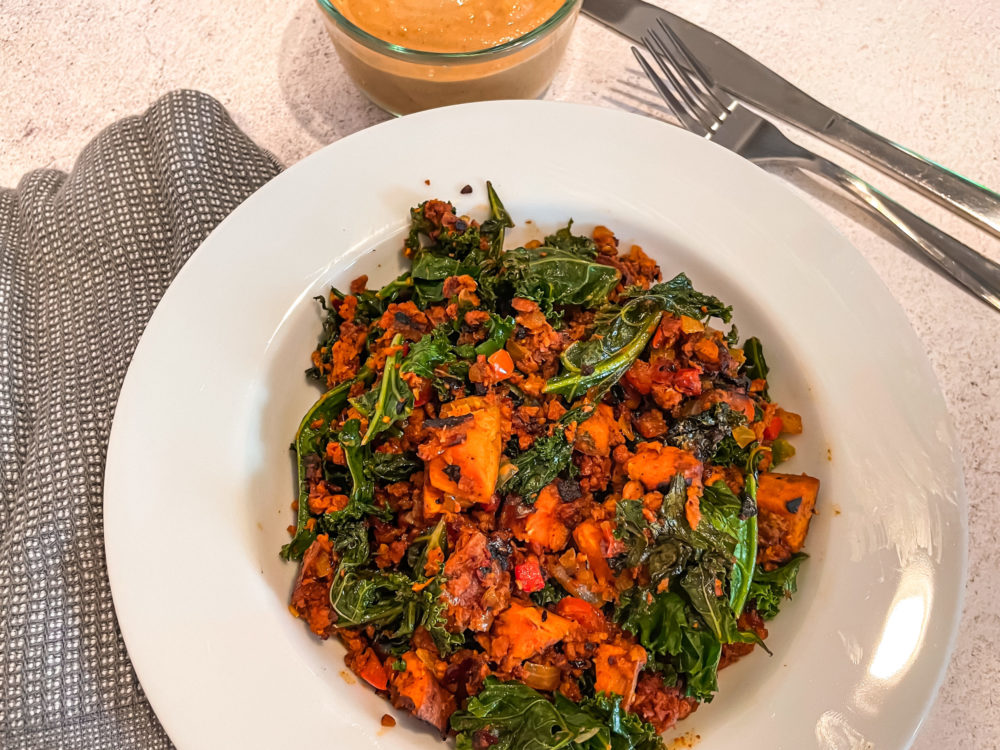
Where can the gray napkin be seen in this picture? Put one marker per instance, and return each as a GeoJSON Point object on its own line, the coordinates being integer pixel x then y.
{"type": "Point", "coordinates": [84, 258]}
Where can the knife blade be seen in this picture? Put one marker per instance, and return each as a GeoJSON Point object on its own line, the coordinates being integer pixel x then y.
{"type": "Point", "coordinates": [754, 83]}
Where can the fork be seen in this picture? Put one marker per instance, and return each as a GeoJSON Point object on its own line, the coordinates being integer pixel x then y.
{"type": "Point", "coordinates": [707, 110]}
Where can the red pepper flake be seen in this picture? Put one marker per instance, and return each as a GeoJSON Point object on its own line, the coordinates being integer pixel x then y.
{"type": "Point", "coordinates": [388, 721]}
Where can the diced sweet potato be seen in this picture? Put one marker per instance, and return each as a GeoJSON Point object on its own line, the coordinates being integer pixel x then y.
{"type": "Point", "coordinates": [463, 456]}
{"type": "Point", "coordinates": [521, 632]}
{"type": "Point", "coordinates": [617, 669]}
{"type": "Point", "coordinates": [785, 503]}
{"type": "Point", "coordinates": [655, 465]}
{"type": "Point", "coordinates": [542, 528]}
{"type": "Point", "coordinates": [417, 690]}
{"type": "Point", "coordinates": [599, 433]}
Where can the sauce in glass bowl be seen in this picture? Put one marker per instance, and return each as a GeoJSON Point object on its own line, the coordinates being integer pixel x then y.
{"type": "Point", "coordinates": [409, 55]}
{"type": "Point", "coordinates": [448, 25]}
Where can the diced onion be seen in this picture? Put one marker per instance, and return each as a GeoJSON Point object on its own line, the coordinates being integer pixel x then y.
{"type": "Point", "coordinates": [690, 325]}
{"type": "Point", "coordinates": [507, 470]}
{"type": "Point", "coordinates": [791, 422]}
{"type": "Point", "coordinates": [743, 435]}
{"type": "Point", "coordinates": [540, 676]}
{"type": "Point", "coordinates": [572, 586]}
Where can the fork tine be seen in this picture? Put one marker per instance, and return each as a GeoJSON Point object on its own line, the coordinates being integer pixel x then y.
{"type": "Point", "coordinates": [692, 70]}
{"type": "Point", "coordinates": [688, 94]}
{"type": "Point", "coordinates": [676, 106]}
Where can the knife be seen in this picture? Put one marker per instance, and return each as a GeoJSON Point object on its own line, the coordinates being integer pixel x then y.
{"type": "Point", "coordinates": [755, 84]}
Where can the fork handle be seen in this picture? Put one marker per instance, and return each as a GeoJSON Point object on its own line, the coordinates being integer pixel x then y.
{"type": "Point", "coordinates": [949, 256]}
{"type": "Point", "coordinates": [968, 199]}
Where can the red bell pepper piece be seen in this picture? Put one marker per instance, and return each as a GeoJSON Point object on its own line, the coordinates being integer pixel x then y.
{"type": "Point", "coordinates": [529, 576]}
{"type": "Point", "coordinates": [773, 428]}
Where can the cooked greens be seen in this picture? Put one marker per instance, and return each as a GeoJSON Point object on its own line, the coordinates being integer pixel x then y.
{"type": "Point", "coordinates": [544, 463]}
{"type": "Point", "coordinates": [512, 716]}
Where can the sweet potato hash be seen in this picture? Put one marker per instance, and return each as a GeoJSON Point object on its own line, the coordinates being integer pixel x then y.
{"type": "Point", "coordinates": [536, 500]}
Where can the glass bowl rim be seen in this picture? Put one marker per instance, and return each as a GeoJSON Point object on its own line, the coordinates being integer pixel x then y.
{"type": "Point", "coordinates": [427, 56]}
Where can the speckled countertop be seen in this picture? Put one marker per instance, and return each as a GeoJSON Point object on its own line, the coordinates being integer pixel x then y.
{"type": "Point", "coordinates": [925, 73]}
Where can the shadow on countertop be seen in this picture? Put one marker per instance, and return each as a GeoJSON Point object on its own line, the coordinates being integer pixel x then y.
{"type": "Point", "coordinates": [315, 85]}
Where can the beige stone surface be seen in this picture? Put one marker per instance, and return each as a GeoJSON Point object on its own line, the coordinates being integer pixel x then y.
{"type": "Point", "coordinates": [925, 73]}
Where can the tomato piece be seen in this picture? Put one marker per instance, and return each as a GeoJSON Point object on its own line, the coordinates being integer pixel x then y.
{"type": "Point", "coordinates": [687, 380]}
{"type": "Point", "coordinates": [502, 364]}
{"type": "Point", "coordinates": [371, 670]}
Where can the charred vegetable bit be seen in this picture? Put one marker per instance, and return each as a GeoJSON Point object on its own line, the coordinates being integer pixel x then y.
{"type": "Point", "coordinates": [537, 500]}
{"type": "Point", "coordinates": [705, 432]}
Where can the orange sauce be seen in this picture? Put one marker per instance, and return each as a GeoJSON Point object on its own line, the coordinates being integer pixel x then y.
{"type": "Point", "coordinates": [448, 25]}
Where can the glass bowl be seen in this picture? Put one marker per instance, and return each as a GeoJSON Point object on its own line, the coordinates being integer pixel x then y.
{"type": "Point", "coordinates": [402, 80]}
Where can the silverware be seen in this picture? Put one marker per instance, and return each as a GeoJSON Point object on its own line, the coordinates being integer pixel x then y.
{"type": "Point", "coordinates": [749, 81]}
{"type": "Point", "coordinates": [705, 109]}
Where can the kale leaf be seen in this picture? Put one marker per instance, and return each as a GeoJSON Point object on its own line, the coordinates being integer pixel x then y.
{"type": "Point", "coordinates": [755, 367]}
{"type": "Point", "coordinates": [430, 268]}
{"type": "Point", "coordinates": [553, 593]}
{"type": "Point", "coordinates": [390, 401]}
{"type": "Point", "coordinates": [630, 528]}
{"type": "Point", "coordinates": [578, 244]}
{"type": "Point", "coordinates": [703, 583]}
{"type": "Point", "coordinates": [666, 627]}
{"type": "Point", "coordinates": [704, 433]}
{"type": "Point", "coordinates": [721, 508]}
{"type": "Point", "coordinates": [386, 601]}
{"type": "Point", "coordinates": [621, 332]}
{"type": "Point", "coordinates": [429, 352]}
{"type": "Point", "coordinates": [552, 276]}
{"type": "Point", "coordinates": [495, 226]}
{"type": "Point", "coordinates": [619, 336]}
{"type": "Point", "coordinates": [512, 716]}
{"type": "Point", "coordinates": [770, 588]}
{"type": "Point", "coordinates": [539, 466]}
{"type": "Point", "coordinates": [361, 501]}
{"type": "Point", "coordinates": [310, 440]}
{"type": "Point", "coordinates": [678, 297]}
{"type": "Point", "coordinates": [394, 467]}
{"type": "Point", "coordinates": [686, 625]}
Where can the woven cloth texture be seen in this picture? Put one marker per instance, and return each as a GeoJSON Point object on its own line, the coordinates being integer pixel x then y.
{"type": "Point", "coordinates": [84, 258]}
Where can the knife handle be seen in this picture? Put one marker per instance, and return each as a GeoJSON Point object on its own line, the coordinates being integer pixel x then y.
{"type": "Point", "coordinates": [937, 249]}
{"type": "Point", "coordinates": [968, 199]}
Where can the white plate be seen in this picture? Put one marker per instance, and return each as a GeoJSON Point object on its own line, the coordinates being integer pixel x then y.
{"type": "Point", "coordinates": [199, 478]}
